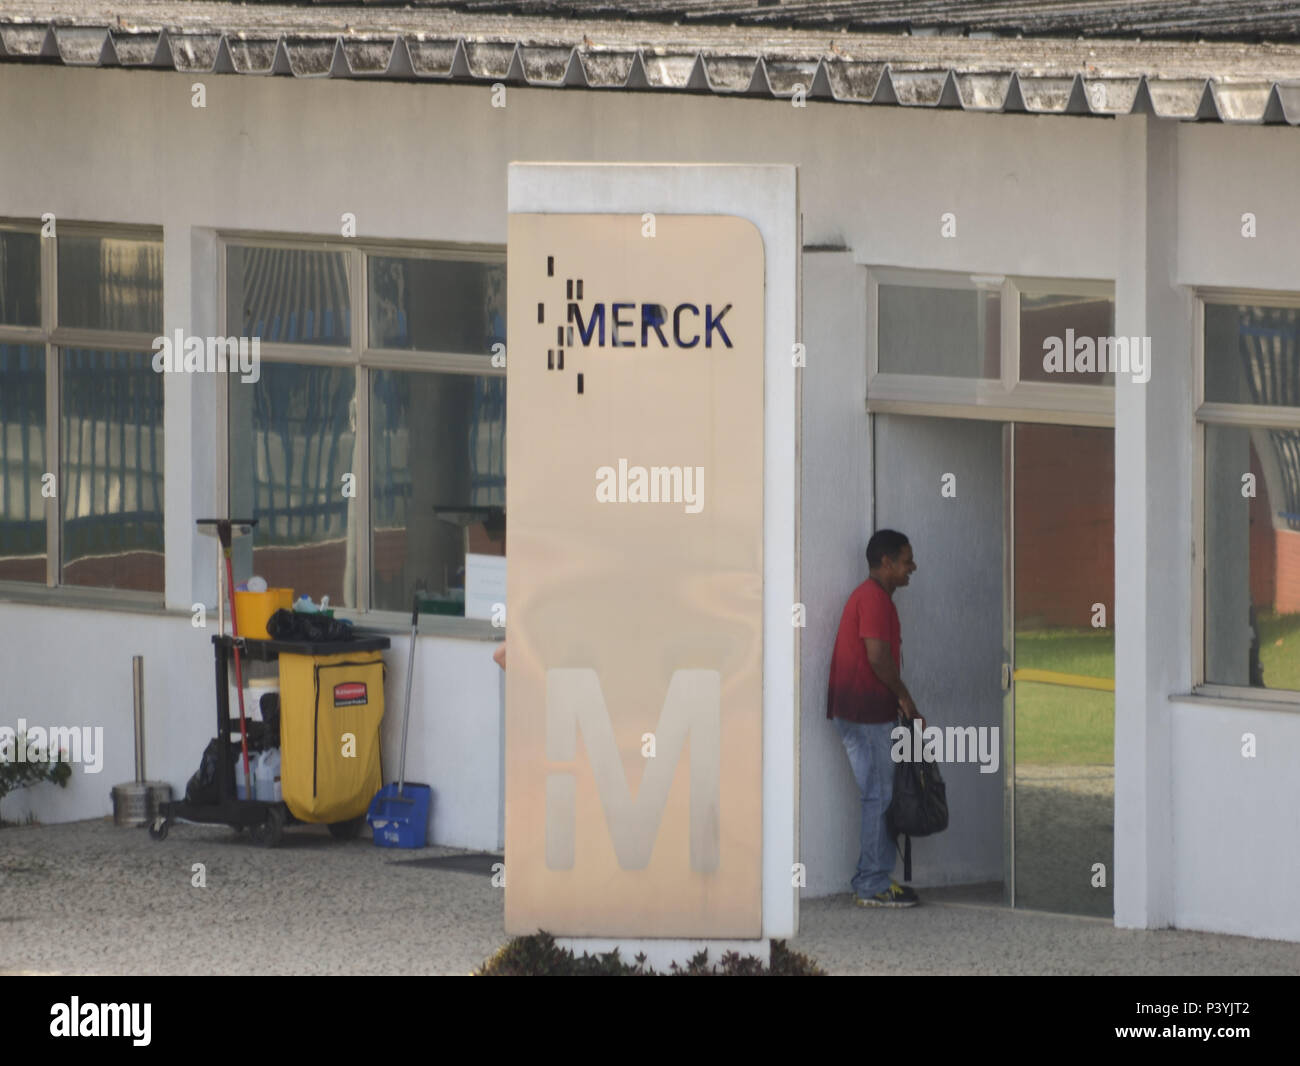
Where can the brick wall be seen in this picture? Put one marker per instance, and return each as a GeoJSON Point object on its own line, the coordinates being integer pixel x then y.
{"type": "Point", "coordinates": [1065, 529]}
{"type": "Point", "coordinates": [1288, 571]}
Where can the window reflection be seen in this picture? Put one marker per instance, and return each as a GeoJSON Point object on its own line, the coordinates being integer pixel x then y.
{"type": "Point", "coordinates": [438, 483]}
{"type": "Point", "coordinates": [110, 283]}
{"type": "Point", "coordinates": [111, 480]}
{"type": "Point", "coordinates": [292, 440]}
{"type": "Point", "coordinates": [22, 462]}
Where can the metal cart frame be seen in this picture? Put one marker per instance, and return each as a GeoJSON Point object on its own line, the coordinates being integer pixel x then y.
{"type": "Point", "coordinates": [265, 819]}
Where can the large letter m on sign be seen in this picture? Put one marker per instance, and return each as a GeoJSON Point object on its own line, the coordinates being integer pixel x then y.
{"type": "Point", "coordinates": [692, 708]}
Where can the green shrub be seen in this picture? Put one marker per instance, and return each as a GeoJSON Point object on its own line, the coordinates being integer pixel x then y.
{"type": "Point", "coordinates": [539, 956]}
{"type": "Point", "coordinates": [16, 774]}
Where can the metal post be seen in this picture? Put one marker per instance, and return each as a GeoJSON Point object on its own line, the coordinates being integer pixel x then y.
{"type": "Point", "coordinates": [137, 671]}
{"type": "Point", "coordinates": [221, 602]}
{"type": "Point", "coordinates": [410, 673]}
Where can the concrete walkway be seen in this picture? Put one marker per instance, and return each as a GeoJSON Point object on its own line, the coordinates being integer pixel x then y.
{"type": "Point", "coordinates": [87, 897]}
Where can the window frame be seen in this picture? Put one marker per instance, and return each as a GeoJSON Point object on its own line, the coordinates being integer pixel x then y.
{"type": "Point", "coordinates": [1003, 398]}
{"type": "Point", "coordinates": [363, 358]}
{"type": "Point", "coordinates": [1240, 416]}
{"type": "Point", "coordinates": [53, 339]}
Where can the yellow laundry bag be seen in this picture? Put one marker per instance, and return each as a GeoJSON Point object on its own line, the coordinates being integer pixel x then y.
{"type": "Point", "coordinates": [331, 707]}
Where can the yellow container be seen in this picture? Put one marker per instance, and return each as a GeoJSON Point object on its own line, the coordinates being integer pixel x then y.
{"type": "Point", "coordinates": [255, 609]}
{"type": "Point", "coordinates": [331, 707]}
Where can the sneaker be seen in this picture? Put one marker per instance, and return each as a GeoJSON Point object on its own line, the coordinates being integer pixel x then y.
{"type": "Point", "coordinates": [895, 895]}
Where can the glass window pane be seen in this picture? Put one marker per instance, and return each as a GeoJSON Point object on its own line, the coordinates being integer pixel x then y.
{"type": "Point", "coordinates": [111, 482]}
{"type": "Point", "coordinates": [292, 440]}
{"type": "Point", "coordinates": [1252, 355]}
{"type": "Point", "coordinates": [437, 305]}
{"type": "Point", "coordinates": [1069, 340]}
{"type": "Point", "coordinates": [20, 279]}
{"type": "Point", "coordinates": [22, 462]}
{"type": "Point", "coordinates": [288, 295]}
{"type": "Point", "coordinates": [437, 453]}
{"type": "Point", "coordinates": [954, 333]}
{"type": "Point", "coordinates": [1252, 552]}
{"type": "Point", "coordinates": [110, 283]}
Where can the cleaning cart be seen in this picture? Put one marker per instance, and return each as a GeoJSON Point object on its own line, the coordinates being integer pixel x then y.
{"type": "Point", "coordinates": [331, 707]}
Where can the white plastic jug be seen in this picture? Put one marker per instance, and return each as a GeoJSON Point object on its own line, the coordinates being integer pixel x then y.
{"type": "Point", "coordinates": [267, 782]}
{"type": "Point", "coordinates": [240, 791]}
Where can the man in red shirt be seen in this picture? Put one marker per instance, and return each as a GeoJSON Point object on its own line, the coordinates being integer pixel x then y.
{"type": "Point", "coordinates": [865, 697]}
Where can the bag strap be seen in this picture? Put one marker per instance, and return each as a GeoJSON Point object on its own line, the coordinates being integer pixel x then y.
{"type": "Point", "coordinates": [905, 850]}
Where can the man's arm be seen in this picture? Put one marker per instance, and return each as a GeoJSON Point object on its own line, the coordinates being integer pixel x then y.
{"type": "Point", "coordinates": [882, 664]}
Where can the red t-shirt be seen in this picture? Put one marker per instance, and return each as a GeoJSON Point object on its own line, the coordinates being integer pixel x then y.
{"type": "Point", "coordinates": [855, 693]}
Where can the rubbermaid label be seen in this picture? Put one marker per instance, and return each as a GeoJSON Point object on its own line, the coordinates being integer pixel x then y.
{"type": "Point", "coordinates": [350, 693]}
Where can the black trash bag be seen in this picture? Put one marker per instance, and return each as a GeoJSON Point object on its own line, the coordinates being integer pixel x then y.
{"type": "Point", "coordinates": [203, 787]}
{"type": "Point", "coordinates": [281, 625]}
{"type": "Point", "coordinates": [308, 627]}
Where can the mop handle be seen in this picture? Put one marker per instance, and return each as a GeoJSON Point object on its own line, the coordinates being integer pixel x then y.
{"type": "Point", "coordinates": [410, 672]}
{"type": "Point", "coordinates": [239, 672]}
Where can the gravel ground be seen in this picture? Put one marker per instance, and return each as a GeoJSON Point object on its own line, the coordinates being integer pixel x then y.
{"type": "Point", "coordinates": [86, 897]}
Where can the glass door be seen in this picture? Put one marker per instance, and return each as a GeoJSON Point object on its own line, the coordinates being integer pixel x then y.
{"type": "Point", "coordinates": [1058, 671]}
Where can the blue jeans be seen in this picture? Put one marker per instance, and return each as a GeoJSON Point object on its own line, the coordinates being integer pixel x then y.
{"type": "Point", "coordinates": [868, 750]}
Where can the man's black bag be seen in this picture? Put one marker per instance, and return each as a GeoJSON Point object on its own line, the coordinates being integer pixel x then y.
{"type": "Point", "coordinates": [919, 807]}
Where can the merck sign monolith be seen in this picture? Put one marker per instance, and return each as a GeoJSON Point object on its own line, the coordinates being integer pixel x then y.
{"type": "Point", "coordinates": [634, 723]}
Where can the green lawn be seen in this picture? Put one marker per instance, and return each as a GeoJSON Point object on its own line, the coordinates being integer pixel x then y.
{"type": "Point", "coordinates": [1057, 724]}
{"type": "Point", "coordinates": [1279, 649]}
{"type": "Point", "coordinates": [1071, 651]}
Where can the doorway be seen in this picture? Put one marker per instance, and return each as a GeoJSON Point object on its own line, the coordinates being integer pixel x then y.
{"type": "Point", "coordinates": [1012, 524]}
{"type": "Point", "coordinates": [1058, 672]}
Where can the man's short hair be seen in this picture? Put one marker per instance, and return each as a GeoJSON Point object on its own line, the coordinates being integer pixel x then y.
{"type": "Point", "coordinates": [884, 542]}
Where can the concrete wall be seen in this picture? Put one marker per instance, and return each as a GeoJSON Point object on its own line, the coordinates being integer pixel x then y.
{"type": "Point", "coordinates": [73, 668]}
{"type": "Point", "coordinates": [1155, 207]}
{"type": "Point", "coordinates": [1237, 820]}
{"type": "Point", "coordinates": [836, 520]}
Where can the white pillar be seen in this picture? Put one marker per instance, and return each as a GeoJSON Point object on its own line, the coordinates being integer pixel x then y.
{"type": "Point", "coordinates": [1153, 565]}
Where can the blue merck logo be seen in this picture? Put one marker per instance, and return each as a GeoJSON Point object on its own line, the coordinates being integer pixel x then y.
{"type": "Point", "coordinates": [617, 325]}
{"type": "Point", "coordinates": [653, 318]}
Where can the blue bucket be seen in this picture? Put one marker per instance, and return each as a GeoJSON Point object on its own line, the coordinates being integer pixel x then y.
{"type": "Point", "coordinates": [400, 821]}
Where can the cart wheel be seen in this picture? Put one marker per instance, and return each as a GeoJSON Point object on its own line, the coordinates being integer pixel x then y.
{"type": "Point", "coordinates": [158, 828]}
{"type": "Point", "coordinates": [347, 830]}
{"type": "Point", "coordinates": [271, 832]}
